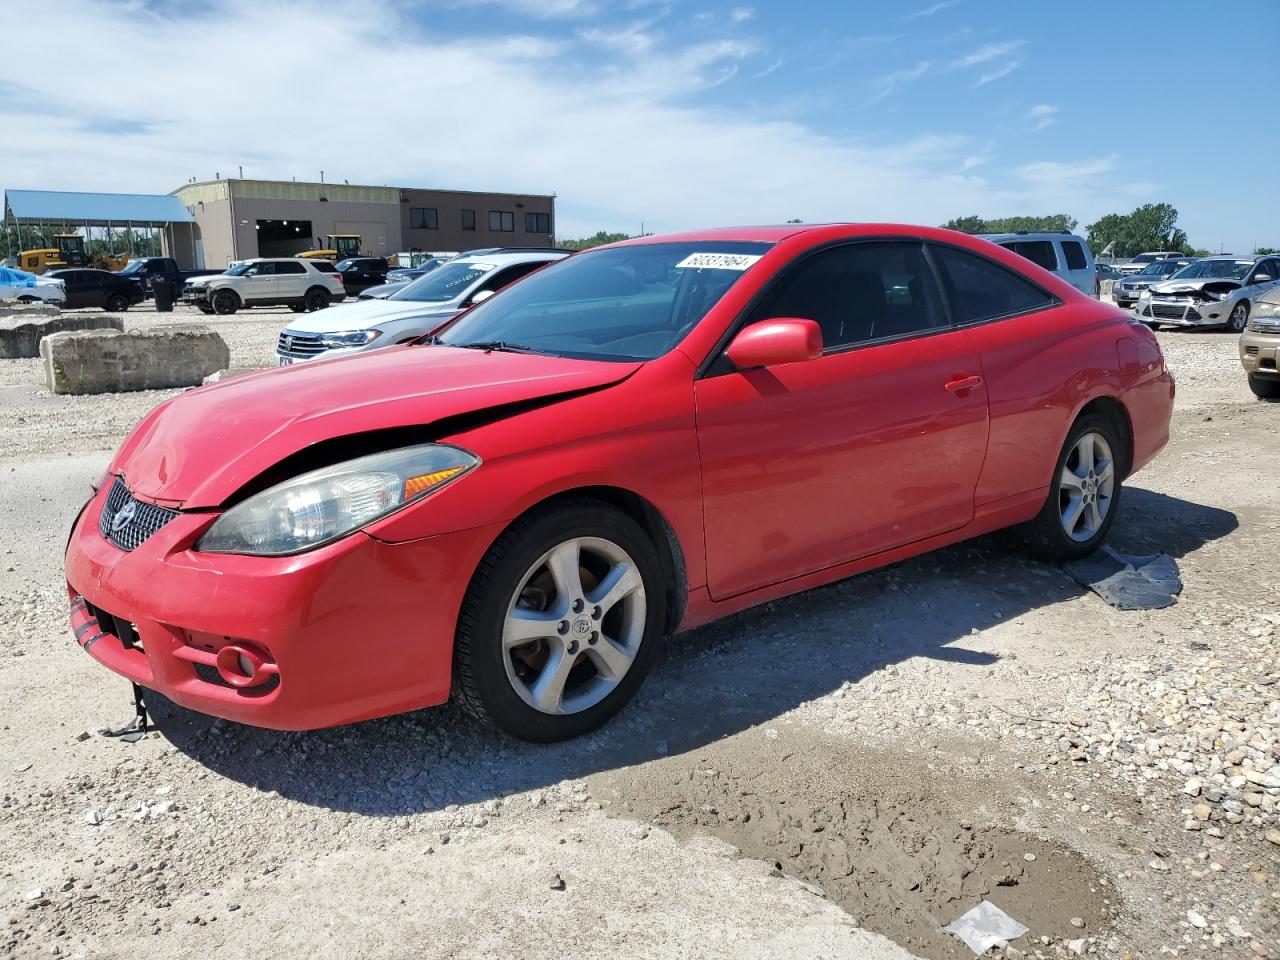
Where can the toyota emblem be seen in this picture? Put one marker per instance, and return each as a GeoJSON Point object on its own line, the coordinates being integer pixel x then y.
{"type": "Point", "coordinates": [124, 517]}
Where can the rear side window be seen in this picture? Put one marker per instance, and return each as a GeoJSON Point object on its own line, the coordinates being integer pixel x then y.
{"type": "Point", "coordinates": [983, 290]}
{"type": "Point", "coordinates": [510, 275]}
{"type": "Point", "coordinates": [1074, 253]}
{"type": "Point", "coordinates": [324, 266]}
{"type": "Point", "coordinates": [1039, 252]}
{"type": "Point", "coordinates": [289, 266]}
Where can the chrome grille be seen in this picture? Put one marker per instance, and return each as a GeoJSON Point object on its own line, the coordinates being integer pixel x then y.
{"type": "Point", "coordinates": [300, 346]}
{"type": "Point", "coordinates": [144, 521]}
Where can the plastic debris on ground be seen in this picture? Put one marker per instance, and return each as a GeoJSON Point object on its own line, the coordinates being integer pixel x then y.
{"type": "Point", "coordinates": [1129, 583]}
{"type": "Point", "coordinates": [984, 926]}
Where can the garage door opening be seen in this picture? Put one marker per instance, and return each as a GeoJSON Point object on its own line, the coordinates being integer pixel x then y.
{"type": "Point", "coordinates": [283, 238]}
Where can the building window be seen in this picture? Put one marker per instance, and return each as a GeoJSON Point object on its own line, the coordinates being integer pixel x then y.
{"type": "Point", "coordinates": [501, 221]}
{"type": "Point", "coordinates": [423, 218]}
{"type": "Point", "coordinates": [537, 223]}
{"type": "Point", "coordinates": [468, 219]}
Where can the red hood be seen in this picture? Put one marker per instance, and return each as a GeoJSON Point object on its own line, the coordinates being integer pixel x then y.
{"type": "Point", "coordinates": [201, 446]}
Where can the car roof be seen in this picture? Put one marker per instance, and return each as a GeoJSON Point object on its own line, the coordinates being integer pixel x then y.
{"type": "Point", "coordinates": [1029, 235]}
{"type": "Point", "coordinates": [1235, 259]}
{"type": "Point", "coordinates": [506, 258]}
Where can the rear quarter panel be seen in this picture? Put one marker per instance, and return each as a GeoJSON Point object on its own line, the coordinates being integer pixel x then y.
{"type": "Point", "coordinates": [1041, 369]}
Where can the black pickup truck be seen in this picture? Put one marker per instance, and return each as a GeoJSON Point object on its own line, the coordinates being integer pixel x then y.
{"type": "Point", "coordinates": [146, 270]}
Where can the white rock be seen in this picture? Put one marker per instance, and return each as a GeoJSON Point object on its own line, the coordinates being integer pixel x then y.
{"type": "Point", "coordinates": [1197, 920]}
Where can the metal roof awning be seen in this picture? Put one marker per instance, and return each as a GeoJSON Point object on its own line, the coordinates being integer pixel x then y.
{"type": "Point", "coordinates": [94, 209]}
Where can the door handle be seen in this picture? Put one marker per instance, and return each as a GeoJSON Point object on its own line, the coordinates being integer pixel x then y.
{"type": "Point", "coordinates": [961, 382]}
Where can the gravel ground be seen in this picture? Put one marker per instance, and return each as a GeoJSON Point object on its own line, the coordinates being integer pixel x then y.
{"type": "Point", "coordinates": [838, 774]}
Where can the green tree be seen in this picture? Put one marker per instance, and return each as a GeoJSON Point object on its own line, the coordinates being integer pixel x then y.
{"type": "Point", "coordinates": [1049, 222]}
{"type": "Point", "coordinates": [1153, 226]}
{"type": "Point", "coordinates": [1263, 251]}
{"type": "Point", "coordinates": [595, 240]}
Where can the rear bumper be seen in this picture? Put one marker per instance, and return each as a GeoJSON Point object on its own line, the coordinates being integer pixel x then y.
{"type": "Point", "coordinates": [357, 629]}
{"type": "Point", "coordinates": [1150, 408]}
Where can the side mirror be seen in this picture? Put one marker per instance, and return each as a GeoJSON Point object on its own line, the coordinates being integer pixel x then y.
{"type": "Point", "coordinates": [771, 342]}
{"type": "Point", "coordinates": [1262, 278]}
{"type": "Point", "coordinates": [481, 296]}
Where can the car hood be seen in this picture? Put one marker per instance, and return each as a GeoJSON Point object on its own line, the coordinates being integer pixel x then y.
{"type": "Point", "coordinates": [366, 313]}
{"type": "Point", "coordinates": [1195, 285]}
{"type": "Point", "coordinates": [199, 448]}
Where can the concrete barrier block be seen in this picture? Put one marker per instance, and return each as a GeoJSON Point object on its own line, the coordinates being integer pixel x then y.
{"type": "Point", "coordinates": [1107, 286]}
{"type": "Point", "coordinates": [22, 330]}
{"type": "Point", "coordinates": [110, 361]}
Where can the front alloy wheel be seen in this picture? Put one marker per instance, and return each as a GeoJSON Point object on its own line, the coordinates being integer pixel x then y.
{"type": "Point", "coordinates": [561, 622]}
{"type": "Point", "coordinates": [1239, 317]}
{"type": "Point", "coordinates": [574, 626]}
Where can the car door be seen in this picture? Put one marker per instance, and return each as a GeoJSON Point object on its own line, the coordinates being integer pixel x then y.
{"type": "Point", "coordinates": [1262, 277]}
{"type": "Point", "coordinates": [1077, 270]}
{"type": "Point", "coordinates": [875, 444]}
{"type": "Point", "coordinates": [89, 289]}
{"type": "Point", "coordinates": [291, 280]}
{"type": "Point", "coordinates": [260, 282]}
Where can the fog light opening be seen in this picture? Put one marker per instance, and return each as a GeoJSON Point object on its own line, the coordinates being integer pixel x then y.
{"type": "Point", "coordinates": [241, 666]}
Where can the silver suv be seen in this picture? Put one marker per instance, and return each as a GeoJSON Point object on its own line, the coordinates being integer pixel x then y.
{"type": "Point", "coordinates": [300, 284]}
{"type": "Point", "coordinates": [1058, 252]}
{"type": "Point", "coordinates": [421, 307]}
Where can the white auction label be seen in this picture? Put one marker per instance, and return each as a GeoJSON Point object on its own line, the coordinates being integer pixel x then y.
{"type": "Point", "coordinates": [717, 261]}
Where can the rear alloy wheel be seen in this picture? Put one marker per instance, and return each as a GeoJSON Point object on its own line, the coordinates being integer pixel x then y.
{"type": "Point", "coordinates": [116, 303]}
{"type": "Point", "coordinates": [1264, 387]}
{"type": "Point", "coordinates": [315, 300]}
{"type": "Point", "coordinates": [1239, 317]}
{"type": "Point", "coordinates": [561, 623]}
{"type": "Point", "coordinates": [1084, 496]}
{"type": "Point", "coordinates": [225, 302]}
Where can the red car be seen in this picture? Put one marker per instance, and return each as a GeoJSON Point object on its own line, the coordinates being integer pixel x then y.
{"type": "Point", "coordinates": [628, 443]}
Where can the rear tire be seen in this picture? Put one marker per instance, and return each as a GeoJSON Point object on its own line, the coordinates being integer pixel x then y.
{"type": "Point", "coordinates": [1084, 496]}
{"type": "Point", "coordinates": [297, 308]}
{"type": "Point", "coordinates": [225, 302]}
{"type": "Point", "coordinates": [316, 299]}
{"type": "Point", "coordinates": [116, 303]}
{"type": "Point", "coordinates": [205, 308]}
{"type": "Point", "coordinates": [1264, 388]}
{"type": "Point", "coordinates": [542, 624]}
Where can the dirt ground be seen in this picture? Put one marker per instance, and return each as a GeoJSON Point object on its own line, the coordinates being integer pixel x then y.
{"type": "Point", "coordinates": [838, 774]}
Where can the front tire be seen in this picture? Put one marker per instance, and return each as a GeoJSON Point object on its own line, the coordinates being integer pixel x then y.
{"type": "Point", "coordinates": [225, 302]}
{"type": "Point", "coordinates": [1264, 388]}
{"type": "Point", "coordinates": [561, 623]}
{"type": "Point", "coordinates": [1239, 318]}
{"type": "Point", "coordinates": [1084, 496]}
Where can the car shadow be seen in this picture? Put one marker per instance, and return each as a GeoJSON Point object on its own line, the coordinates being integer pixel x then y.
{"type": "Point", "coordinates": [745, 670]}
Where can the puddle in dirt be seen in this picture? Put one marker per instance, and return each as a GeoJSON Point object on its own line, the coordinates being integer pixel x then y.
{"type": "Point", "coordinates": [901, 849]}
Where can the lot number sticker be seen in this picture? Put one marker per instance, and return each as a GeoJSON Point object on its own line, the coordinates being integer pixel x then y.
{"type": "Point", "coordinates": [717, 261]}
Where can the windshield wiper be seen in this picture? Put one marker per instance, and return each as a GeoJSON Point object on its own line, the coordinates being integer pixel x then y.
{"type": "Point", "coordinates": [488, 346]}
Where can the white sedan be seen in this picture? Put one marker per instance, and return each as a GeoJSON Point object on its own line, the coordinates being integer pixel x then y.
{"type": "Point", "coordinates": [16, 286]}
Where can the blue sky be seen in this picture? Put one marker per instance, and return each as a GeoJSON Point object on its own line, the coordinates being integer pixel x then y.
{"type": "Point", "coordinates": [676, 115]}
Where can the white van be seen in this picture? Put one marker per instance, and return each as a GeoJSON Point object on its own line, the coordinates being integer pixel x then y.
{"type": "Point", "coordinates": [1058, 252]}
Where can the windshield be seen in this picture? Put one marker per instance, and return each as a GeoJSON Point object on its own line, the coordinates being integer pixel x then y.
{"type": "Point", "coordinates": [625, 303]}
{"type": "Point", "coordinates": [238, 269]}
{"type": "Point", "coordinates": [133, 266]}
{"type": "Point", "coordinates": [447, 283]}
{"type": "Point", "coordinates": [1161, 268]}
{"type": "Point", "coordinates": [1214, 269]}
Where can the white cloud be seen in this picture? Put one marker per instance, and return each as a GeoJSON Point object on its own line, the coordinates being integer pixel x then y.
{"type": "Point", "coordinates": [611, 121]}
{"type": "Point", "coordinates": [891, 83]}
{"type": "Point", "coordinates": [540, 9]}
{"type": "Point", "coordinates": [992, 51]}
{"type": "Point", "coordinates": [931, 10]}
{"type": "Point", "coordinates": [1003, 70]}
{"type": "Point", "coordinates": [741, 14]}
{"type": "Point", "coordinates": [1042, 115]}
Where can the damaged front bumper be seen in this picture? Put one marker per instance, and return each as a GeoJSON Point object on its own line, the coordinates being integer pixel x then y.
{"type": "Point", "coordinates": [1185, 310]}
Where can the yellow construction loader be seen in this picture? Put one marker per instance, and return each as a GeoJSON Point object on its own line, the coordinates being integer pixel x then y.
{"type": "Point", "coordinates": [69, 252]}
{"type": "Point", "coordinates": [341, 247]}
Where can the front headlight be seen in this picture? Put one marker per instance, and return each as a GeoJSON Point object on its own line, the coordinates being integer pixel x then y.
{"type": "Point", "coordinates": [1264, 308]}
{"type": "Point", "coordinates": [349, 338]}
{"type": "Point", "coordinates": [323, 505]}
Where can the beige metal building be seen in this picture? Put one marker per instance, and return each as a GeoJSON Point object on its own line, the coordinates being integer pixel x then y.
{"type": "Point", "coordinates": [239, 219]}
